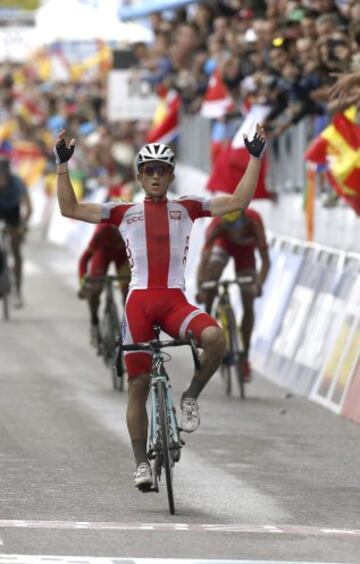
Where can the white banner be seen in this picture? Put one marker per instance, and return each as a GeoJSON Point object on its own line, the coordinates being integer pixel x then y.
{"type": "Point", "coordinates": [130, 97]}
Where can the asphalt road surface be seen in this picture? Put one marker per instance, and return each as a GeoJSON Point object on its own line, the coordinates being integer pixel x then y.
{"type": "Point", "coordinates": [270, 479]}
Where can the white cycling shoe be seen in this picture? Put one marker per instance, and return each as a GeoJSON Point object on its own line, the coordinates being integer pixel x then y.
{"type": "Point", "coordinates": [190, 416]}
{"type": "Point", "coordinates": [143, 476]}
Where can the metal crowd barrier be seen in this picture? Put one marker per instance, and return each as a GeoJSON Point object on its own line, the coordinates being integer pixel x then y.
{"type": "Point", "coordinates": [194, 142]}
{"type": "Point", "coordinates": [318, 251]}
{"type": "Point", "coordinates": [286, 166]}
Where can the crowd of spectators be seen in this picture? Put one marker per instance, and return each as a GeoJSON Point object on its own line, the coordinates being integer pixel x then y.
{"type": "Point", "coordinates": [278, 52]}
{"type": "Point", "coordinates": [281, 52]}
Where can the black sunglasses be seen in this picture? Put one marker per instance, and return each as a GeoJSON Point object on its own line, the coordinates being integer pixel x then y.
{"type": "Point", "coordinates": [160, 170]}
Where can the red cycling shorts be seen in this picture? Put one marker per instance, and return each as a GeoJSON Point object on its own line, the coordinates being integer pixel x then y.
{"type": "Point", "coordinates": [166, 307]}
{"type": "Point", "coordinates": [101, 260]}
{"type": "Point", "coordinates": [243, 255]}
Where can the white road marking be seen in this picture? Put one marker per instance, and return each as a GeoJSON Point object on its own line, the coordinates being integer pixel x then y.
{"type": "Point", "coordinates": [215, 495]}
{"type": "Point", "coordinates": [299, 530]}
{"type": "Point", "coordinates": [33, 559]}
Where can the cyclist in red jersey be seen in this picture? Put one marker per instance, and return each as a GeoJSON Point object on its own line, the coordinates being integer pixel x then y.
{"type": "Point", "coordinates": [105, 247]}
{"type": "Point", "coordinates": [236, 235]}
{"type": "Point", "coordinates": [157, 237]}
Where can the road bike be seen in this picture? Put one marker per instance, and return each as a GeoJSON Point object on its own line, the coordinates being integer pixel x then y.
{"type": "Point", "coordinates": [109, 328]}
{"type": "Point", "coordinates": [164, 442]}
{"type": "Point", "coordinates": [233, 363]}
{"type": "Point", "coordinates": [5, 284]}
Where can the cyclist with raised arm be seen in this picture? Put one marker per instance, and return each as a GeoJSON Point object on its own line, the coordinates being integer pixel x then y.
{"type": "Point", "coordinates": [15, 210]}
{"type": "Point", "coordinates": [106, 247]}
{"type": "Point", "coordinates": [157, 237]}
{"type": "Point", "coordinates": [236, 235]}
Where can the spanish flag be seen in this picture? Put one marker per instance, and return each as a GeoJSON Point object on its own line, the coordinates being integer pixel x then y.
{"type": "Point", "coordinates": [338, 146]}
{"type": "Point", "coordinates": [165, 127]}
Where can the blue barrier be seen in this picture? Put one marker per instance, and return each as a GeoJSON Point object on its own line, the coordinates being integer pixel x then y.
{"type": "Point", "coordinates": [144, 8]}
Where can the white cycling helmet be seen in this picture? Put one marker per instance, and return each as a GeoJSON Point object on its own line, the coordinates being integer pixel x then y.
{"type": "Point", "coordinates": [155, 152]}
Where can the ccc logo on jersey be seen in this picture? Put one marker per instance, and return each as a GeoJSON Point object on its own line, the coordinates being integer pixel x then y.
{"type": "Point", "coordinates": [134, 218]}
{"type": "Point", "coordinates": [175, 215]}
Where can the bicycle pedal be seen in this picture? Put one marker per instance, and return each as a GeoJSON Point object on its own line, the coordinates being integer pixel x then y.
{"type": "Point", "coordinates": [146, 488]}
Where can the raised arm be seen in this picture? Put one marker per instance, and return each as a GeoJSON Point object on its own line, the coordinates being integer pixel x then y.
{"type": "Point", "coordinates": [245, 190]}
{"type": "Point", "coordinates": [69, 206]}
{"type": "Point", "coordinates": [343, 85]}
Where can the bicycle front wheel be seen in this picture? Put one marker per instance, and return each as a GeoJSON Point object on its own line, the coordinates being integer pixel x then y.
{"type": "Point", "coordinates": [165, 443]}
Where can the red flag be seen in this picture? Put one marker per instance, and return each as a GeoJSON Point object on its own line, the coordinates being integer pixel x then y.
{"type": "Point", "coordinates": [232, 160]}
{"type": "Point", "coordinates": [217, 100]}
{"type": "Point", "coordinates": [168, 128]}
{"type": "Point", "coordinates": [338, 146]}
{"type": "Point", "coordinates": [229, 167]}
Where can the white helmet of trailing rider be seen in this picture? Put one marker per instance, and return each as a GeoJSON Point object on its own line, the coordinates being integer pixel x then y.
{"type": "Point", "coordinates": [155, 152]}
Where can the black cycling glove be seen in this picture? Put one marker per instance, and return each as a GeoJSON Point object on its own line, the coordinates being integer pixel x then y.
{"type": "Point", "coordinates": [62, 152]}
{"type": "Point", "coordinates": [256, 147]}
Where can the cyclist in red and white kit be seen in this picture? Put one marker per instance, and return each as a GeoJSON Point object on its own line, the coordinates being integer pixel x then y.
{"type": "Point", "coordinates": [106, 247]}
{"type": "Point", "coordinates": [157, 237]}
{"type": "Point", "coordinates": [236, 235]}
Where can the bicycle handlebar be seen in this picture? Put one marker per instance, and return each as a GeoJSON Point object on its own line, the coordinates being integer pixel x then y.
{"type": "Point", "coordinates": [156, 345]}
{"type": "Point", "coordinates": [240, 281]}
{"type": "Point", "coordinates": [107, 278]}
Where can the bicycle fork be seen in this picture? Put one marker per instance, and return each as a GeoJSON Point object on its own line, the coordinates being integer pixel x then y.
{"type": "Point", "coordinates": [154, 448]}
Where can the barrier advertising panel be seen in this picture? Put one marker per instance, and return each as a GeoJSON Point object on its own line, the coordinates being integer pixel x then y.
{"type": "Point", "coordinates": [291, 334]}
{"type": "Point", "coordinates": [351, 407]}
{"type": "Point", "coordinates": [344, 345]}
{"type": "Point", "coordinates": [271, 309]}
{"type": "Point", "coordinates": [301, 370]}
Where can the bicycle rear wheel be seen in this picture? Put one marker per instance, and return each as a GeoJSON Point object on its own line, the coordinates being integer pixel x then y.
{"type": "Point", "coordinates": [6, 309]}
{"type": "Point", "coordinates": [237, 355]}
{"type": "Point", "coordinates": [225, 367]}
{"type": "Point", "coordinates": [165, 442]}
{"type": "Point", "coordinates": [226, 377]}
{"type": "Point", "coordinates": [5, 287]}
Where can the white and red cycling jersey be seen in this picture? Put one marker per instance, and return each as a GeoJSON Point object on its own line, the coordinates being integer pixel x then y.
{"type": "Point", "coordinates": [157, 237]}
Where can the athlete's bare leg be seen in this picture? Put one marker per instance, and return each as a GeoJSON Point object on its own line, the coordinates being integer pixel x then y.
{"type": "Point", "coordinates": [214, 272]}
{"type": "Point", "coordinates": [213, 345]}
{"type": "Point", "coordinates": [136, 415]}
{"type": "Point", "coordinates": [16, 235]}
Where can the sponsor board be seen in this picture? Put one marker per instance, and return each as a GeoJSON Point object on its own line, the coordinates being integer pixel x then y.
{"type": "Point", "coordinates": [280, 362]}
{"type": "Point", "coordinates": [130, 96]}
{"type": "Point", "coordinates": [270, 310]}
{"type": "Point", "coordinates": [351, 405]}
{"type": "Point", "coordinates": [342, 357]}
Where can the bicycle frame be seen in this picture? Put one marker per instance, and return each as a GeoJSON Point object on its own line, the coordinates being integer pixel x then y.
{"type": "Point", "coordinates": [109, 325]}
{"type": "Point", "coordinates": [234, 358]}
{"type": "Point", "coordinates": [164, 442]}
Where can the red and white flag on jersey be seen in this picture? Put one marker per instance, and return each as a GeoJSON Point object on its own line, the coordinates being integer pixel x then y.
{"type": "Point", "coordinates": [166, 124]}
{"type": "Point", "coordinates": [217, 100]}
